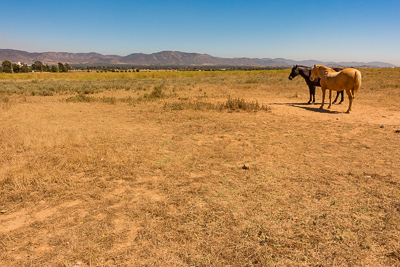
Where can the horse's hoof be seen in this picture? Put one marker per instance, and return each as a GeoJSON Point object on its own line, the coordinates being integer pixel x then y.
{"type": "Point", "coordinates": [321, 107]}
{"type": "Point", "coordinates": [339, 103]}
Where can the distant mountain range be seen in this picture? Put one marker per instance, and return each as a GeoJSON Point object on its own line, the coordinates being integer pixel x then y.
{"type": "Point", "coordinates": [165, 58]}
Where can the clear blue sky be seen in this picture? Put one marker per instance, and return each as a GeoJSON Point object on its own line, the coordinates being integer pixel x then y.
{"type": "Point", "coordinates": [355, 30]}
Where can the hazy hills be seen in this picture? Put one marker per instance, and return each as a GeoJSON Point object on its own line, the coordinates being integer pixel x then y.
{"type": "Point", "coordinates": [164, 58]}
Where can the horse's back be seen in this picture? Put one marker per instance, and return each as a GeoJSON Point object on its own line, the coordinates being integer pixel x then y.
{"type": "Point", "coordinates": [353, 76]}
{"type": "Point", "coordinates": [350, 72]}
{"type": "Point", "coordinates": [344, 79]}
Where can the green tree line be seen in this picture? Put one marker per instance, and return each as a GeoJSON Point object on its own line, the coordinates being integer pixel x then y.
{"type": "Point", "coordinates": [9, 67]}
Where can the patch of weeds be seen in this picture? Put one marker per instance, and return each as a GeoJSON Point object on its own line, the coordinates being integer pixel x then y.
{"type": "Point", "coordinates": [158, 92]}
{"type": "Point", "coordinates": [42, 93]}
{"type": "Point", "coordinates": [110, 100]}
{"type": "Point", "coordinates": [6, 102]}
{"type": "Point", "coordinates": [80, 98]}
{"type": "Point", "coordinates": [47, 93]}
{"type": "Point", "coordinates": [88, 91]}
{"type": "Point", "coordinates": [130, 100]}
{"type": "Point", "coordinates": [174, 106]}
{"type": "Point", "coordinates": [197, 105]}
{"type": "Point", "coordinates": [241, 104]}
{"type": "Point", "coordinates": [231, 104]}
{"type": "Point", "coordinates": [200, 105]}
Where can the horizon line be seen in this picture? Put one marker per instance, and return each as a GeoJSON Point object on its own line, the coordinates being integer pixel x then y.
{"type": "Point", "coordinates": [207, 54]}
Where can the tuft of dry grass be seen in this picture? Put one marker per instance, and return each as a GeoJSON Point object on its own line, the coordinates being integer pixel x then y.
{"type": "Point", "coordinates": [156, 178]}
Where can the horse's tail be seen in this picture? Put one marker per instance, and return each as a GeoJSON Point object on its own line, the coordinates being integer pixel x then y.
{"type": "Point", "coordinates": [357, 82]}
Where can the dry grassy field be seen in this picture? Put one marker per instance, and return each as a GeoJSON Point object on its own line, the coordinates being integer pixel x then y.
{"type": "Point", "coordinates": [146, 169]}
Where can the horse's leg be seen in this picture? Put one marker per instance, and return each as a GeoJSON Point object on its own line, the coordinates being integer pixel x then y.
{"type": "Point", "coordinates": [351, 97]}
{"type": "Point", "coordinates": [337, 95]}
{"type": "Point", "coordinates": [342, 96]}
{"type": "Point", "coordinates": [323, 97]}
{"type": "Point", "coordinates": [330, 99]}
{"type": "Point", "coordinates": [312, 94]}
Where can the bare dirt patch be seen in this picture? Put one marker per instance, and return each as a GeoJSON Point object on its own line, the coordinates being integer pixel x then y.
{"type": "Point", "coordinates": [125, 181]}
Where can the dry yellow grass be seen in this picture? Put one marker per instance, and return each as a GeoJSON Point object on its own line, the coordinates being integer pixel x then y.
{"type": "Point", "coordinates": [120, 175]}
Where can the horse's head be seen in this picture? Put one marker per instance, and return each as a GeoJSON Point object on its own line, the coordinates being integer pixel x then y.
{"type": "Point", "coordinates": [314, 73]}
{"type": "Point", "coordinates": [294, 73]}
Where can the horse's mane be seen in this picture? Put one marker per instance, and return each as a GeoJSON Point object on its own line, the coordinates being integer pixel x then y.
{"type": "Point", "coordinates": [302, 66]}
{"type": "Point", "coordinates": [325, 68]}
{"type": "Point", "coordinates": [306, 68]}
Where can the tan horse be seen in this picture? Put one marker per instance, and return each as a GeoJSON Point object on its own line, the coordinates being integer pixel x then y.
{"type": "Point", "coordinates": [348, 79]}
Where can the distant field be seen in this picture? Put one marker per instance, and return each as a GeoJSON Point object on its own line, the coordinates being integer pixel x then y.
{"type": "Point", "coordinates": [146, 169]}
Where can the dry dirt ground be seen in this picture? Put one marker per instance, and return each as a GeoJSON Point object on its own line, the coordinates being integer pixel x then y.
{"type": "Point", "coordinates": [160, 183]}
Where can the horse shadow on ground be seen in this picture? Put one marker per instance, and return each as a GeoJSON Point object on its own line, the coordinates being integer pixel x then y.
{"type": "Point", "coordinates": [310, 107]}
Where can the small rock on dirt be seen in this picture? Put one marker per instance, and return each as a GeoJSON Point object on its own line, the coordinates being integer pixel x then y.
{"type": "Point", "coordinates": [246, 166]}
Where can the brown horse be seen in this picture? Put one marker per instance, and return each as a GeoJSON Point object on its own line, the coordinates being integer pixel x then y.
{"type": "Point", "coordinates": [348, 79]}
